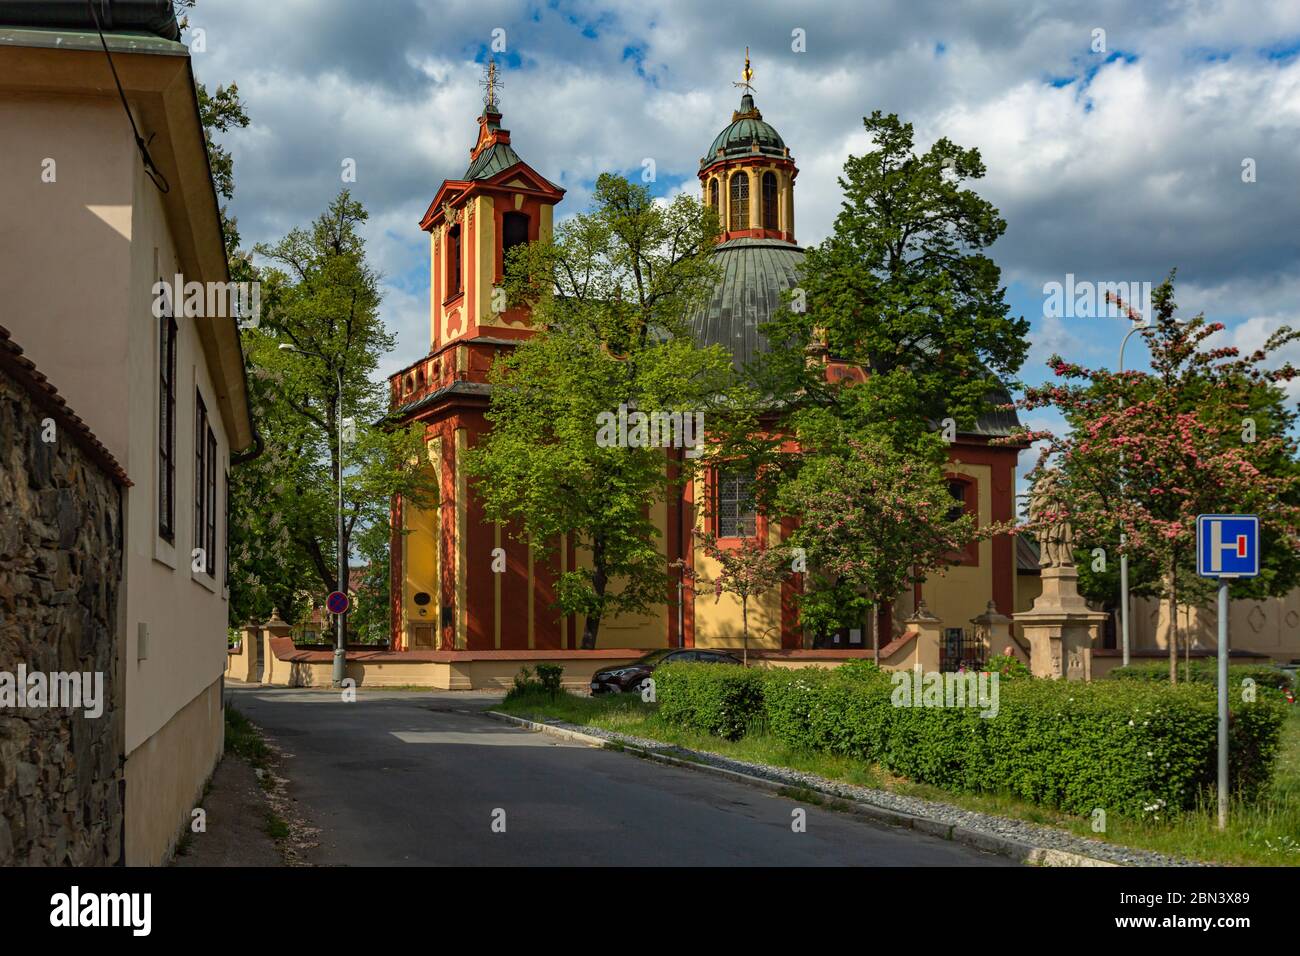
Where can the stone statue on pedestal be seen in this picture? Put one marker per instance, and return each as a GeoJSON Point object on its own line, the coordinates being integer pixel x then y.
{"type": "Point", "coordinates": [1054, 532]}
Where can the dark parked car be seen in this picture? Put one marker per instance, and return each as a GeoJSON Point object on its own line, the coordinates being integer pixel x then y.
{"type": "Point", "coordinates": [629, 677]}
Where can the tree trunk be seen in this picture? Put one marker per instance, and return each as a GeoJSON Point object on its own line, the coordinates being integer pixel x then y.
{"type": "Point", "coordinates": [599, 581]}
{"type": "Point", "coordinates": [744, 640]}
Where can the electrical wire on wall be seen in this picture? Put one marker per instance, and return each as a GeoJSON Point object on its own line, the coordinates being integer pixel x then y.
{"type": "Point", "coordinates": [150, 170]}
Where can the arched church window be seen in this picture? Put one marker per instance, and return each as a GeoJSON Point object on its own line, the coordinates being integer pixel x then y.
{"type": "Point", "coordinates": [713, 193]}
{"type": "Point", "coordinates": [739, 201]}
{"type": "Point", "coordinates": [453, 261]}
{"type": "Point", "coordinates": [769, 200]}
{"type": "Point", "coordinates": [514, 232]}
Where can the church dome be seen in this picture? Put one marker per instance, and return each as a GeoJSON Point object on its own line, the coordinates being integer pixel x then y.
{"type": "Point", "coordinates": [754, 274]}
{"type": "Point", "coordinates": [746, 131]}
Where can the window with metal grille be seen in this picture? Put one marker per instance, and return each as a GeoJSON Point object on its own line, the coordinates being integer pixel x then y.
{"type": "Point", "coordinates": [514, 232]}
{"type": "Point", "coordinates": [769, 200]}
{"type": "Point", "coordinates": [167, 425]}
{"type": "Point", "coordinates": [737, 515]}
{"type": "Point", "coordinates": [739, 201]}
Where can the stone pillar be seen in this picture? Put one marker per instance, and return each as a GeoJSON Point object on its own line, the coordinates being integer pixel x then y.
{"type": "Point", "coordinates": [929, 632]}
{"type": "Point", "coordinates": [997, 634]}
{"type": "Point", "coordinates": [273, 670]}
{"type": "Point", "coordinates": [1061, 628]}
{"type": "Point", "coordinates": [249, 669]}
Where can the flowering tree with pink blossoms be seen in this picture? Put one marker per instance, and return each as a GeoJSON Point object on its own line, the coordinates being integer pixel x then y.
{"type": "Point", "coordinates": [1207, 430]}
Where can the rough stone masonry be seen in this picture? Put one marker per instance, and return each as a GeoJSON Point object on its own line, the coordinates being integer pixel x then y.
{"type": "Point", "coordinates": [60, 570]}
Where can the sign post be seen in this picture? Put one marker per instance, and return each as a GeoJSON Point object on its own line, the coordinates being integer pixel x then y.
{"type": "Point", "coordinates": [1227, 547]}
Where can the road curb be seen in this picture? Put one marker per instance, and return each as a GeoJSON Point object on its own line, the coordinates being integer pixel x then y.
{"type": "Point", "coordinates": [979, 839]}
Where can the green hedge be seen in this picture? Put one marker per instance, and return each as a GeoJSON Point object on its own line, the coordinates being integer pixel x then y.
{"type": "Point", "coordinates": [712, 698]}
{"type": "Point", "coordinates": [1203, 671]}
{"type": "Point", "coordinates": [1130, 747]}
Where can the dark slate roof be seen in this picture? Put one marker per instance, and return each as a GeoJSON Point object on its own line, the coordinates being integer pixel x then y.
{"type": "Point", "coordinates": [1027, 555]}
{"type": "Point", "coordinates": [754, 274]}
{"type": "Point", "coordinates": [425, 401]}
{"type": "Point", "coordinates": [747, 128]}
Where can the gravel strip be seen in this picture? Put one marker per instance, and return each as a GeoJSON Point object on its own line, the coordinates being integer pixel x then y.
{"type": "Point", "coordinates": [1032, 834]}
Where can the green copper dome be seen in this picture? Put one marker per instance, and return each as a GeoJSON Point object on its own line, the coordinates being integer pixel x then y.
{"type": "Point", "coordinates": [747, 128]}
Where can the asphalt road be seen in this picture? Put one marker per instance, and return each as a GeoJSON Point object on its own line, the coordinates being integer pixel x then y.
{"type": "Point", "coordinates": [418, 778]}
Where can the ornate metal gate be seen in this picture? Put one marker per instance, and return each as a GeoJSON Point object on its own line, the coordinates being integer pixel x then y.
{"type": "Point", "coordinates": [960, 649]}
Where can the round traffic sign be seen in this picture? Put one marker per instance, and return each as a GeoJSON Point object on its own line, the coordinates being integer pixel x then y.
{"type": "Point", "coordinates": [337, 602]}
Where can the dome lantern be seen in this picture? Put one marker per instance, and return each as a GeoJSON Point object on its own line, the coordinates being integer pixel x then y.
{"type": "Point", "coordinates": [748, 175]}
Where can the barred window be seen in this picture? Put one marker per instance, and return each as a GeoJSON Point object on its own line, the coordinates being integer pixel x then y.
{"type": "Point", "coordinates": [769, 200]}
{"type": "Point", "coordinates": [737, 514]}
{"type": "Point", "coordinates": [739, 201]}
{"type": "Point", "coordinates": [167, 425]}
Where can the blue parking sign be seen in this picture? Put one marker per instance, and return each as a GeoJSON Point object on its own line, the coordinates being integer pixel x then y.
{"type": "Point", "coordinates": [1227, 546]}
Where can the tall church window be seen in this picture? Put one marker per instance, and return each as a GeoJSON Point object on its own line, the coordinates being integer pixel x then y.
{"type": "Point", "coordinates": [739, 201]}
{"type": "Point", "coordinates": [769, 200]}
{"type": "Point", "coordinates": [737, 513]}
{"type": "Point", "coordinates": [514, 232]}
{"type": "Point", "coordinates": [453, 261]}
{"type": "Point", "coordinates": [713, 193]}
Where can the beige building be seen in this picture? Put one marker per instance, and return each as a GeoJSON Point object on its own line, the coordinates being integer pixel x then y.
{"type": "Point", "coordinates": [85, 235]}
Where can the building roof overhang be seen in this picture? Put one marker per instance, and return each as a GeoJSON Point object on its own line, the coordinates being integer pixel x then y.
{"type": "Point", "coordinates": [158, 81]}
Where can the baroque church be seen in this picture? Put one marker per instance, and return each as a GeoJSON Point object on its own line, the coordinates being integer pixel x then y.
{"type": "Point", "coordinates": [446, 597]}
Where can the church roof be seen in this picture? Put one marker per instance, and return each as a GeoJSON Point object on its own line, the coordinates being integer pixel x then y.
{"type": "Point", "coordinates": [754, 274]}
{"type": "Point", "coordinates": [497, 158]}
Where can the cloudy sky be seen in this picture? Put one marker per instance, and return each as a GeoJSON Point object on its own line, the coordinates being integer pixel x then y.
{"type": "Point", "coordinates": [1114, 133]}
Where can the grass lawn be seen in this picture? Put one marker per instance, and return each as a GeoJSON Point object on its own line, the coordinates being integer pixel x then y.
{"type": "Point", "coordinates": [1267, 834]}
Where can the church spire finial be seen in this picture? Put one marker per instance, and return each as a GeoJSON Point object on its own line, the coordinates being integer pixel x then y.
{"type": "Point", "coordinates": [491, 84]}
{"type": "Point", "coordinates": [746, 74]}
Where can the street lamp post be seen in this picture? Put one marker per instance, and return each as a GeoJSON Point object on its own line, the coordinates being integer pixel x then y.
{"type": "Point", "coordinates": [340, 644]}
{"type": "Point", "coordinates": [1123, 538]}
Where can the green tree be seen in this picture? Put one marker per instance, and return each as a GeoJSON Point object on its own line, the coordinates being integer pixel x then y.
{"type": "Point", "coordinates": [903, 288]}
{"type": "Point", "coordinates": [608, 294]}
{"type": "Point", "coordinates": [321, 298]}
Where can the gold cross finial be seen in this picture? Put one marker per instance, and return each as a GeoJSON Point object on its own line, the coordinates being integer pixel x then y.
{"type": "Point", "coordinates": [491, 84]}
{"type": "Point", "coordinates": [747, 74]}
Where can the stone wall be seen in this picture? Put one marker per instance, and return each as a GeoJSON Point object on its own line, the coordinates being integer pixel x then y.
{"type": "Point", "coordinates": [60, 570]}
